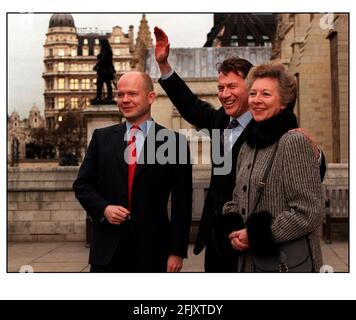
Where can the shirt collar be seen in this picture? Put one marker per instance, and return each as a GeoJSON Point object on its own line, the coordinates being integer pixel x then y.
{"type": "Point", "coordinates": [244, 119]}
{"type": "Point", "coordinates": [144, 126]}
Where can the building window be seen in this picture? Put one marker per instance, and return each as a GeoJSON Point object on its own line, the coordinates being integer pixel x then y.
{"type": "Point", "coordinates": [61, 103]}
{"type": "Point", "coordinates": [60, 66]}
{"type": "Point", "coordinates": [234, 42]}
{"type": "Point", "coordinates": [61, 52]}
{"type": "Point", "coordinates": [86, 67]}
{"type": "Point", "coordinates": [117, 66]}
{"type": "Point", "coordinates": [85, 51]}
{"type": "Point", "coordinates": [73, 67]}
{"type": "Point", "coordinates": [85, 84]}
{"type": "Point", "coordinates": [87, 102]}
{"type": "Point", "coordinates": [74, 103]}
{"type": "Point", "coordinates": [266, 41]}
{"type": "Point", "coordinates": [50, 52]}
{"type": "Point", "coordinates": [116, 51]}
{"type": "Point", "coordinates": [85, 41]}
{"type": "Point", "coordinates": [50, 103]}
{"type": "Point", "coordinates": [97, 41]}
{"type": "Point", "coordinates": [250, 41]}
{"type": "Point", "coordinates": [96, 51]}
{"type": "Point", "coordinates": [60, 83]}
{"type": "Point", "coordinates": [49, 84]}
{"type": "Point", "coordinates": [117, 39]}
{"type": "Point", "coordinates": [73, 52]}
{"type": "Point", "coordinates": [73, 84]}
{"type": "Point", "coordinates": [50, 122]}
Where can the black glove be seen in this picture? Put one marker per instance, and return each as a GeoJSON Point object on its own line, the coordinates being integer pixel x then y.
{"type": "Point", "coordinates": [224, 225]}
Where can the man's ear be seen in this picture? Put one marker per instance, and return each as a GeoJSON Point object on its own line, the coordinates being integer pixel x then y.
{"type": "Point", "coordinates": [151, 97]}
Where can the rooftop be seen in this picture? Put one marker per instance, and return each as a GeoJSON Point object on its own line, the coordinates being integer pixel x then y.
{"type": "Point", "coordinates": [201, 62]}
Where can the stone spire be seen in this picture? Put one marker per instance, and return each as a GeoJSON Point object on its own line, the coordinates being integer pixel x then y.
{"type": "Point", "coordinates": [144, 33]}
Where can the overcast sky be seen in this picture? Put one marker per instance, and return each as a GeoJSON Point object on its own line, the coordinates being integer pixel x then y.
{"type": "Point", "coordinates": [27, 33]}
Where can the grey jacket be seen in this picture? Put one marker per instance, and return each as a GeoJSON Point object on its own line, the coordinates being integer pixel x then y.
{"type": "Point", "coordinates": [292, 195]}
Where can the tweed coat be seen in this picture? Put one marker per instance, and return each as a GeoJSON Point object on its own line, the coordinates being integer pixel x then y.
{"type": "Point", "coordinates": [292, 195]}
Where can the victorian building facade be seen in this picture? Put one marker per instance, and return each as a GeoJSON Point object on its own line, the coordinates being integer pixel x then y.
{"type": "Point", "coordinates": [70, 54]}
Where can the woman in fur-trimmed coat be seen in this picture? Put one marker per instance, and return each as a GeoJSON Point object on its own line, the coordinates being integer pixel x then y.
{"type": "Point", "coordinates": [291, 204]}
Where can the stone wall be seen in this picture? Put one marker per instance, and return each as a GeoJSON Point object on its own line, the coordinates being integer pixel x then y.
{"type": "Point", "coordinates": [322, 108]}
{"type": "Point", "coordinates": [42, 206]}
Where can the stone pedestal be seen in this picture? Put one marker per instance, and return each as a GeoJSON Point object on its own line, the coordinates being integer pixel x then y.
{"type": "Point", "coordinates": [101, 115]}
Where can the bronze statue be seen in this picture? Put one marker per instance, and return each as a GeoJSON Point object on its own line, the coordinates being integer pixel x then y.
{"type": "Point", "coordinates": [105, 73]}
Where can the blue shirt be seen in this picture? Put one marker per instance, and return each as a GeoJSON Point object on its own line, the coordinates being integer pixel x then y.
{"type": "Point", "coordinates": [231, 135]}
{"type": "Point", "coordinates": [140, 134]}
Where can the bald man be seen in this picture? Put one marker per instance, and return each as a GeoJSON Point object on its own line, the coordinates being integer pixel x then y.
{"type": "Point", "coordinates": [124, 184]}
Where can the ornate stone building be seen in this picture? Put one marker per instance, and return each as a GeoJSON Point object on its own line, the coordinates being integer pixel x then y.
{"type": "Point", "coordinates": [19, 133]}
{"type": "Point", "coordinates": [314, 47]}
{"type": "Point", "coordinates": [70, 54]}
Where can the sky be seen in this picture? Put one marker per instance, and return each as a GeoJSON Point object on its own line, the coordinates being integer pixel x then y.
{"type": "Point", "coordinates": [27, 33]}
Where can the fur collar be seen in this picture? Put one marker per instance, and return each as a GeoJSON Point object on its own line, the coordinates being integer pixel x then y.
{"type": "Point", "coordinates": [265, 133]}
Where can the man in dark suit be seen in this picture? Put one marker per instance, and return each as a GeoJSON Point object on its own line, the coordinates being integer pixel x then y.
{"type": "Point", "coordinates": [233, 115]}
{"type": "Point", "coordinates": [124, 184]}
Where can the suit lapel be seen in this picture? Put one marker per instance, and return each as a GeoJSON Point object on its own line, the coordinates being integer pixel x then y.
{"type": "Point", "coordinates": [120, 144]}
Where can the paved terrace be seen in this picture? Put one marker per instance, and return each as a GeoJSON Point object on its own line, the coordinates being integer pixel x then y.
{"type": "Point", "coordinates": [73, 257]}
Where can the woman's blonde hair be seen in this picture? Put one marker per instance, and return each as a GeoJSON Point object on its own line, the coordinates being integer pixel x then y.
{"type": "Point", "coordinates": [287, 83]}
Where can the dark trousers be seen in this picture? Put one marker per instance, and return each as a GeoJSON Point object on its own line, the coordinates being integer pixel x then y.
{"type": "Point", "coordinates": [99, 87]}
{"type": "Point", "coordinates": [126, 259]}
{"type": "Point", "coordinates": [215, 261]}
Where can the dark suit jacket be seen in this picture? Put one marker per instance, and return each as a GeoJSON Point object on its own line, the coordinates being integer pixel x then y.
{"type": "Point", "coordinates": [102, 181]}
{"type": "Point", "coordinates": [202, 115]}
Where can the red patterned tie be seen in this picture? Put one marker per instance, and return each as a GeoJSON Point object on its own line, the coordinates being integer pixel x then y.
{"type": "Point", "coordinates": [132, 161]}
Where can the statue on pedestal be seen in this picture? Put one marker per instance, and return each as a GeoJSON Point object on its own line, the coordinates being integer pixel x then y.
{"type": "Point", "coordinates": [105, 73]}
